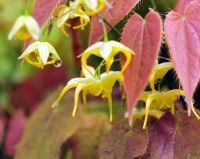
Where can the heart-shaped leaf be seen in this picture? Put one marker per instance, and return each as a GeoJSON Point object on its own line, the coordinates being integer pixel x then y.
{"type": "Point", "coordinates": [44, 8]}
{"type": "Point", "coordinates": [187, 137]}
{"type": "Point", "coordinates": [113, 13]}
{"type": "Point", "coordinates": [162, 135]}
{"type": "Point", "coordinates": [183, 38]}
{"type": "Point", "coordinates": [182, 4]}
{"type": "Point", "coordinates": [123, 142]}
{"type": "Point", "coordinates": [143, 36]}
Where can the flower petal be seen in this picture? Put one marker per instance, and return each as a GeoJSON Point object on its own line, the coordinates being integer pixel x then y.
{"type": "Point", "coordinates": [91, 4]}
{"type": "Point", "coordinates": [29, 49]}
{"type": "Point", "coordinates": [43, 52]}
{"type": "Point", "coordinates": [32, 27]}
{"type": "Point", "coordinates": [16, 27]}
{"type": "Point", "coordinates": [105, 50]}
{"type": "Point", "coordinates": [77, 80]}
{"type": "Point", "coordinates": [86, 73]}
{"type": "Point", "coordinates": [120, 46]}
{"type": "Point", "coordinates": [52, 50]}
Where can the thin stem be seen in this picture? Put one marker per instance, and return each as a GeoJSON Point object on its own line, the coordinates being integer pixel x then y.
{"type": "Point", "coordinates": [98, 70]}
{"type": "Point", "coordinates": [164, 58]}
{"type": "Point", "coordinates": [153, 4]}
{"type": "Point", "coordinates": [27, 7]}
{"type": "Point", "coordinates": [52, 21]}
{"type": "Point", "coordinates": [110, 25]}
{"type": "Point", "coordinates": [104, 27]}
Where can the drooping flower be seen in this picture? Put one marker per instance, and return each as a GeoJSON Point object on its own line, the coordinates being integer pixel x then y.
{"type": "Point", "coordinates": [159, 71]}
{"type": "Point", "coordinates": [90, 7]}
{"type": "Point", "coordinates": [162, 100]}
{"type": "Point", "coordinates": [40, 54]}
{"type": "Point", "coordinates": [64, 13]}
{"type": "Point", "coordinates": [94, 86]}
{"type": "Point", "coordinates": [25, 28]}
{"type": "Point", "coordinates": [107, 51]}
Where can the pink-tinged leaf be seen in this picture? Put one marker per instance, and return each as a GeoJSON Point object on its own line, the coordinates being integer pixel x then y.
{"type": "Point", "coordinates": [143, 36]}
{"type": "Point", "coordinates": [182, 4]}
{"type": "Point", "coordinates": [77, 44]}
{"type": "Point", "coordinates": [113, 14]}
{"type": "Point", "coordinates": [123, 142]}
{"type": "Point", "coordinates": [162, 138]}
{"type": "Point", "coordinates": [187, 140]}
{"type": "Point", "coordinates": [183, 38]}
{"type": "Point", "coordinates": [49, 78]}
{"type": "Point", "coordinates": [15, 131]}
{"type": "Point", "coordinates": [43, 9]}
{"type": "Point", "coordinates": [2, 128]}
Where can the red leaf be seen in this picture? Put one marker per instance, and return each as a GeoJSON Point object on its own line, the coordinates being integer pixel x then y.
{"type": "Point", "coordinates": [144, 38]}
{"type": "Point", "coordinates": [119, 9]}
{"type": "Point", "coordinates": [14, 132]}
{"type": "Point", "coordinates": [2, 127]}
{"type": "Point", "coordinates": [183, 38]}
{"type": "Point", "coordinates": [162, 138]}
{"type": "Point", "coordinates": [49, 79]}
{"type": "Point", "coordinates": [123, 142]}
{"type": "Point", "coordinates": [181, 5]}
{"type": "Point", "coordinates": [44, 8]}
{"type": "Point", "coordinates": [187, 140]}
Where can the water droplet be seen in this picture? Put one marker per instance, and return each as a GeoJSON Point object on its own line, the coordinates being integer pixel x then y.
{"type": "Point", "coordinates": [58, 63]}
{"type": "Point", "coordinates": [55, 110]}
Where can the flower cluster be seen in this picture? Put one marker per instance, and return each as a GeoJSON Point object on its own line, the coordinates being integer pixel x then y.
{"type": "Point", "coordinates": [26, 27]}
{"type": "Point", "coordinates": [94, 82]}
{"type": "Point", "coordinates": [78, 9]}
{"type": "Point", "coordinates": [41, 54]}
{"type": "Point", "coordinates": [159, 100]}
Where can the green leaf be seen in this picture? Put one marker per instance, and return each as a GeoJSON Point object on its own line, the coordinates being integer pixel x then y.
{"type": "Point", "coordinates": [88, 136]}
{"type": "Point", "coordinates": [47, 130]}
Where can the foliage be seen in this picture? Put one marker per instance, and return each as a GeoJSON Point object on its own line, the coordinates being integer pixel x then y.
{"type": "Point", "coordinates": [146, 83]}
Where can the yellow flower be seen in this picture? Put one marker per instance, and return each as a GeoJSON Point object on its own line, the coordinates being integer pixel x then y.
{"type": "Point", "coordinates": [162, 100]}
{"type": "Point", "coordinates": [40, 54]}
{"type": "Point", "coordinates": [90, 7]}
{"type": "Point", "coordinates": [159, 71]}
{"type": "Point", "coordinates": [64, 14]}
{"type": "Point", "coordinates": [107, 51]}
{"type": "Point", "coordinates": [25, 28]}
{"type": "Point", "coordinates": [93, 86]}
{"type": "Point", "coordinates": [139, 113]}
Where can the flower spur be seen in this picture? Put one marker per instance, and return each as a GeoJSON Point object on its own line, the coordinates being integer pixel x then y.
{"type": "Point", "coordinates": [40, 54]}
{"type": "Point", "coordinates": [162, 100]}
{"type": "Point", "coordinates": [93, 86]}
{"type": "Point", "coordinates": [64, 13]}
{"type": "Point", "coordinates": [157, 100]}
{"type": "Point", "coordinates": [107, 50]}
{"type": "Point", "coordinates": [159, 71]}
